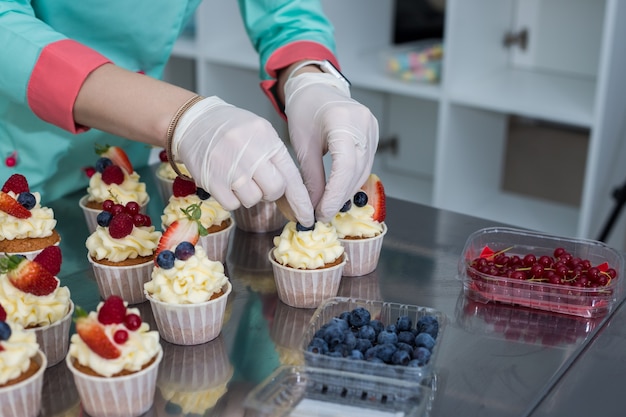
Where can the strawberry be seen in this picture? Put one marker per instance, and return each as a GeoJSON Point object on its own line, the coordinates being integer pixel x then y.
{"type": "Point", "coordinates": [94, 336]}
{"type": "Point", "coordinates": [375, 191]}
{"type": "Point", "coordinates": [28, 276]}
{"type": "Point", "coordinates": [113, 311]}
{"type": "Point", "coordinates": [186, 229]}
{"type": "Point", "coordinates": [117, 155]}
{"type": "Point", "coordinates": [183, 187]}
{"type": "Point", "coordinates": [113, 174]}
{"type": "Point", "coordinates": [10, 206]}
{"type": "Point", "coordinates": [50, 258]}
{"type": "Point", "coordinates": [16, 183]}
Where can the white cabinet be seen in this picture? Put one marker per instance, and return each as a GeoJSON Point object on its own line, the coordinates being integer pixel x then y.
{"type": "Point", "coordinates": [452, 137]}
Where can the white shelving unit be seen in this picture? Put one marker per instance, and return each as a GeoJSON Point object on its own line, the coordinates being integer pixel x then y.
{"type": "Point", "coordinates": [452, 137]}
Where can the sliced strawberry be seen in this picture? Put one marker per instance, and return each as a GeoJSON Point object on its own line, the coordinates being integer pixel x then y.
{"type": "Point", "coordinates": [94, 336]}
{"type": "Point", "coordinates": [10, 206]}
{"type": "Point", "coordinates": [16, 183]}
{"type": "Point", "coordinates": [50, 258]}
{"type": "Point", "coordinates": [113, 311]}
{"type": "Point", "coordinates": [117, 155]}
{"type": "Point", "coordinates": [113, 174]}
{"type": "Point", "coordinates": [28, 276]}
{"type": "Point", "coordinates": [183, 187]}
{"type": "Point", "coordinates": [375, 191]}
{"type": "Point", "coordinates": [183, 230]}
{"type": "Point", "coordinates": [3, 314]}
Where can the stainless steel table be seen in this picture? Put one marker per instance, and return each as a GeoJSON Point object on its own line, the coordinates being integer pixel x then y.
{"type": "Point", "coordinates": [495, 360]}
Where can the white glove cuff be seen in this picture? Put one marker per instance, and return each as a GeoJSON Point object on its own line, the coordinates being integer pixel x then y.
{"type": "Point", "coordinates": [295, 84]}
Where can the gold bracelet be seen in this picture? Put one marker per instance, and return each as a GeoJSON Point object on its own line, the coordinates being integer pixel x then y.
{"type": "Point", "coordinates": [170, 133]}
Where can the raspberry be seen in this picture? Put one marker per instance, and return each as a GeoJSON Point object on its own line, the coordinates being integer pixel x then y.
{"type": "Point", "coordinates": [113, 311]}
{"type": "Point", "coordinates": [113, 175]}
{"type": "Point", "coordinates": [183, 187]}
{"type": "Point", "coordinates": [16, 183]}
{"type": "Point", "coordinates": [121, 225]}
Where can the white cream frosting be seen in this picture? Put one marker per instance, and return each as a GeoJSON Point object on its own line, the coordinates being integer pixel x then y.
{"type": "Point", "coordinates": [140, 348]}
{"type": "Point", "coordinates": [131, 189]}
{"type": "Point", "coordinates": [357, 222]}
{"type": "Point", "coordinates": [191, 281]}
{"type": "Point", "coordinates": [166, 171]}
{"type": "Point", "coordinates": [16, 353]}
{"type": "Point", "coordinates": [41, 223]}
{"type": "Point", "coordinates": [142, 241]}
{"type": "Point", "coordinates": [211, 212]}
{"type": "Point", "coordinates": [29, 310]}
{"type": "Point", "coordinates": [307, 250]}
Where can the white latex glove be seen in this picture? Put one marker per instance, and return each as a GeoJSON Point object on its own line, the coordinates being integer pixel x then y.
{"type": "Point", "coordinates": [322, 117]}
{"type": "Point", "coordinates": [238, 158]}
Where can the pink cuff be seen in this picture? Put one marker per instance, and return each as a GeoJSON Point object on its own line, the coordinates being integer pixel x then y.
{"type": "Point", "coordinates": [287, 55]}
{"type": "Point", "coordinates": [54, 83]}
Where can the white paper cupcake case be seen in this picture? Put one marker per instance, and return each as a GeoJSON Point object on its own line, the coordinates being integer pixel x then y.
{"type": "Point", "coordinates": [216, 244]}
{"type": "Point", "coordinates": [125, 281]}
{"type": "Point", "coordinates": [91, 215]}
{"type": "Point", "coordinates": [260, 218]}
{"type": "Point", "coordinates": [124, 396]}
{"type": "Point", "coordinates": [363, 254]}
{"type": "Point", "coordinates": [304, 288]}
{"type": "Point", "coordinates": [24, 398]}
{"type": "Point", "coordinates": [164, 186]}
{"type": "Point", "coordinates": [54, 339]}
{"type": "Point", "coordinates": [190, 324]}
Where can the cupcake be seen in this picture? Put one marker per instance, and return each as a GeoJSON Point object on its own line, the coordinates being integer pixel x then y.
{"type": "Point", "coordinates": [165, 175]}
{"type": "Point", "coordinates": [114, 358]}
{"type": "Point", "coordinates": [33, 298]}
{"type": "Point", "coordinates": [22, 367]}
{"type": "Point", "coordinates": [112, 178]}
{"type": "Point", "coordinates": [216, 221]}
{"type": "Point", "coordinates": [360, 227]}
{"type": "Point", "coordinates": [26, 227]}
{"type": "Point", "coordinates": [188, 291]}
{"type": "Point", "coordinates": [121, 251]}
{"type": "Point", "coordinates": [260, 218]}
{"type": "Point", "coordinates": [307, 264]}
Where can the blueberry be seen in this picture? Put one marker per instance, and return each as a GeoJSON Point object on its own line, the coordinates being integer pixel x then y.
{"type": "Point", "coordinates": [359, 316]}
{"type": "Point", "coordinates": [421, 355]}
{"type": "Point", "coordinates": [360, 199]}
{"type": "Point", "coordinates": [347, 206]}
{"type": "Point", "coordinates": [371, 352]}
{"type": "Point", "coordinates": [377, 325]}
{"type": "Point", "coordinates": [102, 163]}
{"type": "Point", "coordinates": [5, 330]}
{"type": "Point", "coordinates": [166, 259]}
{"type": "Point", "coordinates": [202, 194]}
{"type": "Point", "coordinates": [27, 200]}
{"type": "Point", "coordinates": [104, 218]}
{"type": "Point", "coordinates": [349, 339]}
{"type": "Point", "coordinates": [184, 251]}
{"type": "Point", "coordinates": [342, 348]}
{"type": "Point", "coordinates": [367, 332]}
{"type": "Point", "coordinates": [387, 337]}
{"type": "Point", "coordinates": [391, 328]}
{"type": "Point", "coordinates": [413, 363]}
{"type": "Point", "coordinates": [363, 344]}
{"type": "Point", "coordinates": [301, 228]}
{"type": "Point", "coordinates": [400, 357]}
{"type": "Point", "coordinates": [333, 335]}
{"type": "Point", "coordinates": [405, 346]}
{"type": "Point", "coordinates": [386, 351]}
{"type": "Point", "coordinates": [406, 337]}
{"type": "Point", "coordinates": [343, 324]}
{"type": "Point", "coordinates": [404, 323]}
{"type": "Point", "coordinates": [356, 355]}
{"type": "Point", "coordinates": [344, 315]}
{"type": "Point", "coordinates": [428, 324]}
{"type": "Point", "coordinates": [425, 340]}
{"type": "Point", "coordinates": [318, 345]}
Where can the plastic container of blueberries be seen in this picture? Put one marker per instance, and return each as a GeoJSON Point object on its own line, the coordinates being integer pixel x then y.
{"type": "Point", "coordinates": [387, 313]}
{"type": "Point", "coordinates": [303, 391]}
{"type": "Point", "coordinates": [578, 301]}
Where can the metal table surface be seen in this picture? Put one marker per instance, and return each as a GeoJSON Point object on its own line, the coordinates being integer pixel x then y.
{"type": "Point", "coordinates": [495, 360]}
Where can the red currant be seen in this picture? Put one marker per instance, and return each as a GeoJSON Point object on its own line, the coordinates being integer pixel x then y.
{"type": "Point", "coordinates": [132, 322]}
{"type": "Point", "coordinates": [132, 207]}
{"type": "Point", "coordinates": [107, 205]}
{"type": "Point", "coordinates": [120, 336]}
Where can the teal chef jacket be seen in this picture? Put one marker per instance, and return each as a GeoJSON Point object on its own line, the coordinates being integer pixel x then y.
{"type": "Point", "coordinates": [49, 47]}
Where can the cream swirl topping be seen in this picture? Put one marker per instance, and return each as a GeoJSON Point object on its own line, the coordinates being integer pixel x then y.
{"type": "Point", "coordinates": [141, 242]}
{"type": "Point", "coordinates": [39, 224]}
{"type": "Point", "coordinates": [309, 249]}
{"type": "Point", "coordinates": [140, 348]}
{"type": "Point", "coordinates": [211, 212]}
{"type": "Point", "coordinates": [29, 310]}
{"type": "Point", "coordinates": [191, 281]}
{"type": "Point", "coordinates": [357, 222]}
{"type": "Point", "coordinates": [131, 189]}
{"type": "Point", "coordinates": [166, 171]}
{"type": "Point", "coordinates": [16, 353]}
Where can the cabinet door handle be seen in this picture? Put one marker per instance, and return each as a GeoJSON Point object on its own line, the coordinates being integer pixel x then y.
{"type": "Point", "coordinates": [516, 38]}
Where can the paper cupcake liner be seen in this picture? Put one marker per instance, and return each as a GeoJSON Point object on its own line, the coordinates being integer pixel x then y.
{"type": "Point", "coordinates": [124, 396]}
{"type": "Point", "coordinates": [164, 186]}
{"type": "Point", "coordinates": [289, 325]}
{"type": "Point", "coordinates": [216, 244]}
{"type": "Point", "coordinates": [305, 288]}
{"type": "Point", "coordinates": [91, 215]}
{"type": "Point", "coordinates": [190, 324]}
{"type": "Point", "coordinates": [59, 393]}
{"type": "Point", "coordinates": [260, 218]}
{"type": "Point", "coordinates": [54, 339]}
{"type": "Point", "coordinates": [363, 254]}
{"type": "Point", "coordinates": [250, 249]}
{"type": "Point", "coordinates": [125, 281]}
{"type": "Point", "coordinates": [24, 398]}
{"type": "Point", "coordinates": [31, 254]}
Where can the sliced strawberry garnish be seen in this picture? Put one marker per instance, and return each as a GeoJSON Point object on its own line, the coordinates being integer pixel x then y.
{"type": "Point", "coordinates": [10, 206]}
{"type": "Point", "coordinates": [28, 276]}
{"type": "Point", "coordinates": [113, 174]}
{"type": "Point", "coordinates": [94, 336]}
{"type": "Point", "coordinates": [50, 258]}
{"type": "Point", "coordinates": [117, 156]}
{"type": "Point", "coordinates": [16, 183]}
{"type": "Point", "coordinates": [375, 191]}
{"type": "Point", "coordinates": [183, 187]}
{"type": "Point", "coordinates": [113, 311]}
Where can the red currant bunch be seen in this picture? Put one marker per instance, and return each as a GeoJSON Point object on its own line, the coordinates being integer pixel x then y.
{"type": "Point", "coordinates": [120, 219]}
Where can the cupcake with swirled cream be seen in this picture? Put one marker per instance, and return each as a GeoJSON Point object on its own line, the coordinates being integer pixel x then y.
{"type": "Point", "coordinates": [307, 264]}
{"type": "Point", "coordinates": [360, 226]}
{"type": "Point", "coordinates": [34, 299]}
{"type": "Point", "coordinates": [113, 177]}
{"type": "Point", "coordinates": [114, 358]}
{"type": "Point", "coordinates": [26, 227]}
{"type": "Point", "coordinates": [121, 251]}
{"type": "Point", "coordinates": [212, 216]}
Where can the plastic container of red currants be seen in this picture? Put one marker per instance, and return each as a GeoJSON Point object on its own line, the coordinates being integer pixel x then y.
{"type": "Point", "coordinates": [580, 277]}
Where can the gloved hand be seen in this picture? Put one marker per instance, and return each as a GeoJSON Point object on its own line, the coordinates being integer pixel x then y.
{"type": "Point", "coordinates": [238, 158]}
{"type": "Point", "coordinates": [322, 117]}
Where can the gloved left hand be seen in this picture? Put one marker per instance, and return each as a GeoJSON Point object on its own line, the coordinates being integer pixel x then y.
{"type": "Point", "coordinates": [322, 117]}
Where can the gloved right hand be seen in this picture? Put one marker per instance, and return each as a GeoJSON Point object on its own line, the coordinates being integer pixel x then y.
{"type": "Point", "coordinates": [238, 158]}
